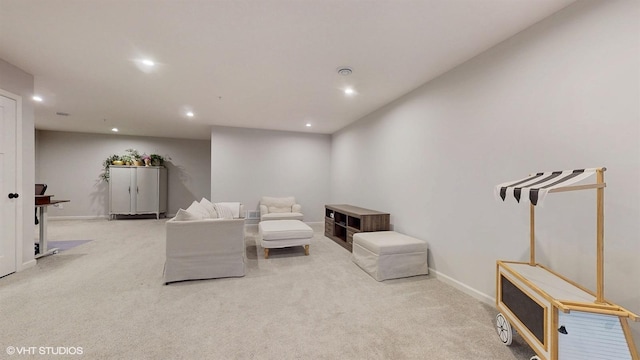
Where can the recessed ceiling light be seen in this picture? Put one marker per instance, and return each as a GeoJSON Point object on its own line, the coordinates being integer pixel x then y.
{"type": "Point", "coordinates": [37, 98]}
{"type": "Point", "coordinates": [308, 125]}
{"type": "Point", "coordinates": [349, 91]}
{"type": "Point", "coordinates": [190, 114]}
{"type": "Point", "coordinates": [114, 129]}
{"type": "Point", "coordinates": [145, 65]}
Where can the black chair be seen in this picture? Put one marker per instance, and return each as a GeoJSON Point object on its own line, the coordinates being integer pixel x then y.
{"type": "Point", "coordinates": [40, 189]}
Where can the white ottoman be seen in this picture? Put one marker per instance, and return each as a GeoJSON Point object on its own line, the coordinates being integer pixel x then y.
{"type": "Point", "coordinates": [284, 233]}
{"type": "Point", "coordinates": [389, 255]}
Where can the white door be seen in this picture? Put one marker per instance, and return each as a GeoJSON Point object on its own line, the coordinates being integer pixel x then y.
{"type": "Point", "coordinates": [8, 206]}
{"type": "Point", "coordinates": [120, 190]}
{"type": "Point", "coordinates": [146, 190]}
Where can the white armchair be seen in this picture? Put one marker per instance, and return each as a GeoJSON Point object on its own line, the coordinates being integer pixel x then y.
{"type": "Point", "coordinates": [283, 208]}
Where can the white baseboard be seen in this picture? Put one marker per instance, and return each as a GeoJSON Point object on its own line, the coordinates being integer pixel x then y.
{"type": "Point", "coordinates": [168, 216]}
{"type": "Point", "coordinates": [92, 217]}
{"type": "Point", "coordinates": [28, 264]}
{"type": "Point", "coordinates": [489, 300]}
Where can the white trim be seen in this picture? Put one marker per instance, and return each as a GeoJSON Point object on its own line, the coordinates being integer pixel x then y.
{"type": "Point", "coordinates": [90, 217]}
{"type": "Point", "coordinates": [19, 171]}
{"type": "Point", "coordinates": [19, 205]}
{"type": "Point", "coordinates": [98, 217]}
{"type": "Point", "coordinates": [28, 264]}
{"type": "Point", "coordinates": [489, 300]}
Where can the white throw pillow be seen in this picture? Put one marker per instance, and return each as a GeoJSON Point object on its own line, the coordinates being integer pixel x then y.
{"type": "Point", "coordinates": [184, 215]}
{"type": "Point", "coordinates": [234, 206]}
{"type": "Point", "coordinates": [197, 209]}
{"type": "Point", "coordinates": [213, 214]}
{"type": "Point", "coordinates": [223, 211]}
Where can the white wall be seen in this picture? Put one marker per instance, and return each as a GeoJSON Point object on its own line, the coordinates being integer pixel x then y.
{"type": "Point", "coordinates": [70, 164]}
{"type": "Point", "coordinates": [247, 164]}
{"type": "Point", "coordinates": [564, 94]}
{"type": "Point", "coordinates": [18, 82]}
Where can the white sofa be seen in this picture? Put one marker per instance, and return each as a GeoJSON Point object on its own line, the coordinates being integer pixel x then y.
{"type": "Point", "coordinates": [201, 247]}
{"type": "Point", "coordinates": [280, 208]}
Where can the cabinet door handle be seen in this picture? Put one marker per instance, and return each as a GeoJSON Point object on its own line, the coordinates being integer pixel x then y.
{"type": "Point", "coordinates": [13, 195]}
{"type": "Point", "coordinates": [129, 189]}
{"type": "Point", "coordinates": [137, 190]}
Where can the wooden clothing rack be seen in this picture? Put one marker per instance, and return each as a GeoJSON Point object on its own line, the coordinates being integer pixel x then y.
{"type": "Point", "coordinates": [559, 318]}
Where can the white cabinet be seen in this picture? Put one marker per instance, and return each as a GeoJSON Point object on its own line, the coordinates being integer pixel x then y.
{"type": "Point", "coordinates": [135, 190]}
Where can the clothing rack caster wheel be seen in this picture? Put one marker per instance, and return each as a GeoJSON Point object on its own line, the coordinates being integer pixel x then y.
{"type": "Point", "coordinates": [504, 329]}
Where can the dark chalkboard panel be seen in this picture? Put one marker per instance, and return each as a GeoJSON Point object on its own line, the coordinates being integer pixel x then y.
{"type": "Point", "coordinates": [529, 312]}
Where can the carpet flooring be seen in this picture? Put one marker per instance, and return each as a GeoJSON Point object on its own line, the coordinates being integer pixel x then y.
{"type": "Point", "coordinates": [108, 298]}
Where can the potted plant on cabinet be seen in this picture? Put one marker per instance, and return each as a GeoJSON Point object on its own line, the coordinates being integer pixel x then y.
{"type": "Point", "coordinates": [126, 159]}
{"type": "Point", "coordinates": [147, 159]}
{"type": "Point", "coordinates": [158, 160]}
{"type": "Point", "coordinates": [134, 155]}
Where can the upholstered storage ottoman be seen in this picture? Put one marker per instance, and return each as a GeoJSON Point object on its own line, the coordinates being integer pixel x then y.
{"type": "Point", "coordinates": [389, 255]}
{"type": "Point", "coordinates": [284, 233]}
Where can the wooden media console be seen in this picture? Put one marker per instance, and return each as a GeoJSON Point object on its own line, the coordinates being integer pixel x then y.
{"type": "Point", "coordinates": [342, 221]}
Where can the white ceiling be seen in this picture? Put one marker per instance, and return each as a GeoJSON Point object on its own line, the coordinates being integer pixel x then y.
{"type": "Point", "coordinates": [267, 64]}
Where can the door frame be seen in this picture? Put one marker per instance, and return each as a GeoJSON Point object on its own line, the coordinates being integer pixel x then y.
{"type": "Point", "coordinates": [20, 264]}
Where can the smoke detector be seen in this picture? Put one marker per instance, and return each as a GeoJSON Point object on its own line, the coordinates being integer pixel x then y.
{"type": "Point", "coordinates": [344, 71]}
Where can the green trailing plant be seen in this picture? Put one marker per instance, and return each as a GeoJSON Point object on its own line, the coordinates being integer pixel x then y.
{"type": "Point", "coordinates": [158, 160]}
{"type": "Point", "coordinates": [106, 164]}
